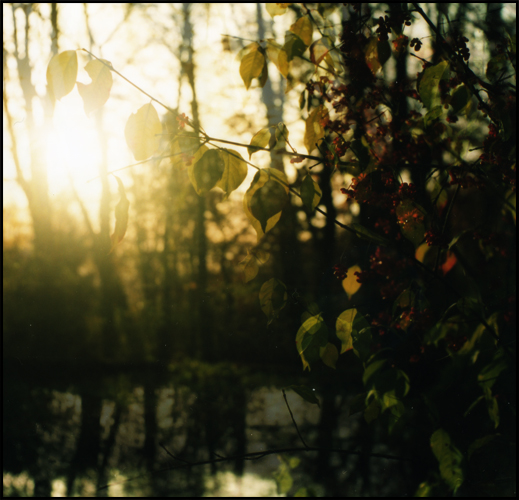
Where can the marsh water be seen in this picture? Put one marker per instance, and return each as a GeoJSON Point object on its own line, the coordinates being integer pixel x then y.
{"type": "Point", "coordinates": [137, 430]}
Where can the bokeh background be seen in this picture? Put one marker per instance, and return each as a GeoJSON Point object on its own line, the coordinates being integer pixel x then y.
{"type": "Point", "coordinates": [106, 357]}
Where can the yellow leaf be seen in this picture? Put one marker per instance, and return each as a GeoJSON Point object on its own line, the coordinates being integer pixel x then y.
{"type": "Point", "coordinates": [319, 50]}
{"type": "Point", "coordinates": [260, 179]}
{"type": "Point", "coordinates": [250, 267]}
{"type": "Point", "coordinates": [251, 67]}
{"type": "Point", "coordinates": [121, 216]}
{"type": "Point", "coordinates": [235, 171]}
{"type": "Point", "coordinates": [260, 139]}
{"type": "Point", "coordinates": [344, 327]}
{"type": "Point", "coordinates": [372, 55]}
{"type": "Point", "coordinates": [421, 251]}
{"type": "Point", "coordinates": [276, 9]}
{"type": "Point", "coordinates": [251, 263]}
{"type": "Point", "coordinates": [303, 29]}
{"type": "Point", "coordinates": [142, 132]}
{"type": "Point", "coordinates": [314, 131]}
{"type": "Point", "coordinates": [329, 355]}
{"type": "Point", "coordinates": [350, 283]}
{"type": "Point", "coordinates": [62, 74]}
{"type": "Point", "coordinates": [278, 56]}
{"type": "Point", "coordinates": [206, 169]}
{"type": "Point", "coordinates": [95, 94]}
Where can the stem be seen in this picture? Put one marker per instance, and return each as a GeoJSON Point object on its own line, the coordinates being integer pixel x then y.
{"type": "Point", "coordinates": [111, 68]}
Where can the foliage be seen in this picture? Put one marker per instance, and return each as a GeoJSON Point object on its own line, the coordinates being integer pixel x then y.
{"type": "Point", "coordinates": [433, 320]}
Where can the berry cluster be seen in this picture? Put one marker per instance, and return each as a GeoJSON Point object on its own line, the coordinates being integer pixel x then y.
{"type": "Point", "coordinates": [388, 271]}
{"type": "Point", "coordinates": [183, 120]}
{"type": "Point", "coordinates": [433, 237]}
{"type": "Point", "coordinates": [340, 271]}
{"type": "Point", "coordinates": [416, 43]}
{"type": "Point", "coordinates": [460, 46]}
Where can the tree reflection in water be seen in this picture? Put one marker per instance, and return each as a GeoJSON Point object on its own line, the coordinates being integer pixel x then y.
{"type": "Point", "coordinates": [76, 431]}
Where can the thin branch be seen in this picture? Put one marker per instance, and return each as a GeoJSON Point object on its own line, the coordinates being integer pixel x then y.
{"type": "Point", "coordinates": [260, 454]}
{"type": "Point", "coordinates": [111, 68]}
{"type": "Point", "coordinates": [293, 420]}
{"type": "Point", "coordinates": [173, 456]}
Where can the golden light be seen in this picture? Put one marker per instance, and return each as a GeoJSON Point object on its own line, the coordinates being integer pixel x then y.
{"type": "Point", "coordinates": [73, 150]}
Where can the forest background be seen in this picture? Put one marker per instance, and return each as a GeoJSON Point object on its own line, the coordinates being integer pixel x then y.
{"type": "Point", "coordinates": [177, 292]}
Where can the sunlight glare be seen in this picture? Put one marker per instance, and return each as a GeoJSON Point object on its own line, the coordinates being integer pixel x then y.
{"type": "Point", "coordinates": [72, 148]}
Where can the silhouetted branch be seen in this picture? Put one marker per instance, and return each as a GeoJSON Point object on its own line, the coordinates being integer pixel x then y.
{"type": "Point", "coordinates": [293, 420]}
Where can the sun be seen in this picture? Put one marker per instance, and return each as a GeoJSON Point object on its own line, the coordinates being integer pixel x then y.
{"type": "Point", "coordinates": [73, 150]}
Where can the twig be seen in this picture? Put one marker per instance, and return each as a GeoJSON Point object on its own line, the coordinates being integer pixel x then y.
{"type": "Point", "coordinates": [111, 68]}
{"type": "Point", "coordinates": [260, 454]}
{"type": "Point", "coordinates": [293, 420]}
{"type": "Point", "coordinates": [173, 456]}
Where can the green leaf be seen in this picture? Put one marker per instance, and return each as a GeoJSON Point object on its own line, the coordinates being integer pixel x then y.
{"type": "Point", "coordinates": [259, 180]}
{"type": "Point", "coordinates": [489, 374]}
{"type": "Point", "coordinates": [369, 235]}
{"type": "Point", "coordinates": [469, 307]}
{"type": "Point", "coordinates": [121, 216]}
{"type": "Point", "coordinates": [142, 132]}
{"type": "Point", "coordinates": [251, 66]}
{"type": "Point", "coordinates": [432, 116]}
{"type": "Point", "coordinates": [267, 201]}
{"type": "Point", "coordinates": [371, 369]}
{"type": "Point", "coordinates": [424, 490]}
{"type": "Point", "coordinates": [283, 478]}
{"type": "Point", "coordinates": [95, 94]}
{"type": "Point", "coordinates": [314, 131]}
{"type": "Point", "coordinates": [303, 29]}
{"type": "Point", "coordinates": [479, 443]}
{"type": "Point", "coordinates": [62, 74]}
{"type": "Point", "coordinates": [273, 298]}
{"type": "Point", "coordinates": [372, 411]}
{"type": "Point", "coordinates": [281, 137]}
{"type": "Point", "coordinates": [361, 338]}
{"type": "Point", "coordinates": [329, 355]}
{"type": "Point", "coordinates": [429, 84]}
{"type": "Point", "coordinates": [311, 336]}
{"type": "Point", "coordinates": [293, 46]}
{"type": "Point", "coordinates": [399, 383]}
{"type": "Point", "coordinates": [306, 393]}
{"type": "Point", "coordinates": [234, 173]}
{"type": "Point", "coordinates": [492, 407]}
{"type": "Point", "coordinates": [310, 193]}
{"type": "Point", "coordinates": [449, 458]}
{"type": "Point", "coordinates": [251, 263]}
{"type": "Point", "coordinates": [260, 139]}
{"type": "Point", "coordinates": [206, 170]}
{"type": "Point", "coordinates": [344, 327]}
{"type": "Point", "coordinates": [461, 97]}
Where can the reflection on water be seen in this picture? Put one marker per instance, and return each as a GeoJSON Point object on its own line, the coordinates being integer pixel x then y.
{"type": "Point", "coordinates": [73, 435]}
